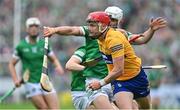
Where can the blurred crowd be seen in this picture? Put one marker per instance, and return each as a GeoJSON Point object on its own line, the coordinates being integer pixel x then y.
{"type": "Point", "coordinates": [164, 48]}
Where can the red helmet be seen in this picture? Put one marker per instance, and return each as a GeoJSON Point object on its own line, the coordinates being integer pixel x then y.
{"type": "Point", "coordinates": [99, 16]}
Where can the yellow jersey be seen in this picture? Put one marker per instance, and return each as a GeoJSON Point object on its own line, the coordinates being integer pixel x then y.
{"type": "Point", "coordinates": [115, 45]}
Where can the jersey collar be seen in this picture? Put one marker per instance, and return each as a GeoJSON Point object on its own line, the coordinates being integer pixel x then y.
{"type": "Point", "coordinates": [103, 36]}
{"type": "Point", "coordinates": [28, 41]}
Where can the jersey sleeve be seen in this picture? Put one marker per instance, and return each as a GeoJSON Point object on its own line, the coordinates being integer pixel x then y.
{"type": "Point", "coordinates": [129, 35]}
{"type": "Point", "coordinates": [116, 46]}
{"type": "Point", "coordinates": [16, 53]}
{"type": "Point", "coordinates": [80, 53]}
{"type": "Point", "coordinates": [50, 50]}
{"type": "Point", "coordinates": [85, 30]}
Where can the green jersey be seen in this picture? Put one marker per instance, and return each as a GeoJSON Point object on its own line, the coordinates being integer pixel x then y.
{"type": "Point", "coordinates": [78, 80]}
{"type": "Point", "coordinates": [155, 78]}
{"type": "Point", "coordinates": [31, 56]}
{"type": "Point", "coordinates": [92, 52]}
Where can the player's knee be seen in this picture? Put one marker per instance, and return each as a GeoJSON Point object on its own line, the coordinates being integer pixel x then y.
{"type": "Point", "coordinates": [135, 105]}
{"type": "Point", "coordinates": [41, 106]}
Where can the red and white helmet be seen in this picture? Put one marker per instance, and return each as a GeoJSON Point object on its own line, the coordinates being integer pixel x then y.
{"type": "Point", "coordinates": [99, 16]}
{"type": "Point", "coordinates": [114, 12]}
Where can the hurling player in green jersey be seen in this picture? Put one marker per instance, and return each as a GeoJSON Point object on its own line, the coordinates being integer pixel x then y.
{"type": "Point", "coordinates": [78, 89]}
{"type": "Point", "coordinates": [30, 51]}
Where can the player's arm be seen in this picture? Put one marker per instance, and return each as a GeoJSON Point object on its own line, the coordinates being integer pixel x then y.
{"type": "Point", "coordinates": [52, 57]}
{"type": "Point", "coordinates": [63, 30]}
{"type": "Point", "coordinates": [74, 64]}
{"type": "Point", "coordinates": [12, 70]}
{"type": "Point", "coordinates": [145, 37]}
{"type": "Point", "coordinates": [58, 67]}
{"type": "Point", "coordinates": [116, 47]}
{"type": "Point", "coordinates": [117, 70]}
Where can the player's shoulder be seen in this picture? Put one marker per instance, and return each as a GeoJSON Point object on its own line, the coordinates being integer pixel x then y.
{"type": "Point", "coordinates": [121, 30]}
{"type": "Point", "coordinates": [115, 37]}
{"type": "Point", "coordinates": [84, 27]}
{"type": "Point", "coordinates": [84, 30]}
{"type": "Point", "coordinates": [81, 50]}
{"type": "Point", "coordinates": [114, 34]}
{"type": "Point", "coordinates": [22, 43]}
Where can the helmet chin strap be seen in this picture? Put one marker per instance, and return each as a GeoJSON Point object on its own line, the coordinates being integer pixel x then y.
{"type": "Point", "coordinates": [100, 28]}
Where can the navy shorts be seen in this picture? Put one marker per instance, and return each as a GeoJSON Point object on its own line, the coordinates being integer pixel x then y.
{"type": "Point", "coordinates": [138, 85]}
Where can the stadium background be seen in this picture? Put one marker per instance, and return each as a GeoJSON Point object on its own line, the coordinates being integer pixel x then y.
{"type": "Point", "coordinates": [164, 48]}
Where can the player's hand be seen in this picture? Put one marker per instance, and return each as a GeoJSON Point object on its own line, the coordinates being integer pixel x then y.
{"type": "Point", "coordinates": [157, 23]}
{"type": "Point", "coordinates": [95, 85]}
{"type": "Point", "coordinates": [48, 31]}
{"type": "Point", "coordinates": [17, 83]}
{"type": "Point", "coordinates": [59, 70]}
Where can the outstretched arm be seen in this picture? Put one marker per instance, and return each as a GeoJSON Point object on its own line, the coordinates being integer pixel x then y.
{"type": "Point", "coordinates": [154, 25]}
{"type": "Point", "coordinates": [63, 30]}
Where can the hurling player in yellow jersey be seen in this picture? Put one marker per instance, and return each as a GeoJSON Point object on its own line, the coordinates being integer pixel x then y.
{"type": "Point", "coordinates": [128, 80]}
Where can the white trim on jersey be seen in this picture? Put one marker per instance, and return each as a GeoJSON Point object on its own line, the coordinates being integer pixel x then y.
{"type": "Point", "coordinates": [28, 41]}
{"type": "Point", "coordinates": [51, 53]}
{"type": "Point", "coordinates": [75, 56]}
{"type": "Point", "coordinates": [82, 30]}
{"type": "Point", "coordinates": [15, 56]}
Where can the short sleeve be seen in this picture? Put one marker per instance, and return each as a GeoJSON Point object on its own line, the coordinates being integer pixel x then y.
{"type": "Point", "coordinates": [85, 30]}
{"type": "Point", "coordinates": [50, 50]}
{"type": "Point", "coordinates": [16, 53]}
{"type": "Point", "coordinates": [80, 53]}
{"type": "Point", "coordinates": [116, 46]}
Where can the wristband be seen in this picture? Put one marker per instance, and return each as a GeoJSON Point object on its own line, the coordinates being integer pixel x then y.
{"type": "Point", "coordinates": [102, 82]}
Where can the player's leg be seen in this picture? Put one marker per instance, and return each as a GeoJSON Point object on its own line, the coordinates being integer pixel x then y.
{"type": "Point", "coordinates": [51, 99]}
{"type": "Point", "coordinates": [135, 105]}
{"type": "Point", "coordinates": [155, 102]}
{"type": "Point", "coordinates": [114, 106]}
{"type": "Point", "coordinates": [144, 102]}
{"type": "Point", "coordinates": [124, 100]}
{"type": "Point", "coordinates": [135, 88]}
{"type": "Point", "coordinates": [141, 90]}
{"type": "Point", "coordinates": [96, 96]}
{"type": "Point", "coordinates": [155, 98]}
{"type": "Point", "coordinates": [102, 102]}
{"type": "Point", "coordinates": [39, 102]}
{"type": "Point", "coordinates": [80, 100]}
{"type": "Point", "coordinates": [34, 93]}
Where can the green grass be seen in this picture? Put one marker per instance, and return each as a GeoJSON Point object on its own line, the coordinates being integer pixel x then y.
{"type": "Point", "coordinates": [64, 98]}
{"type": "Point", "coordinates": [21, 105]}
